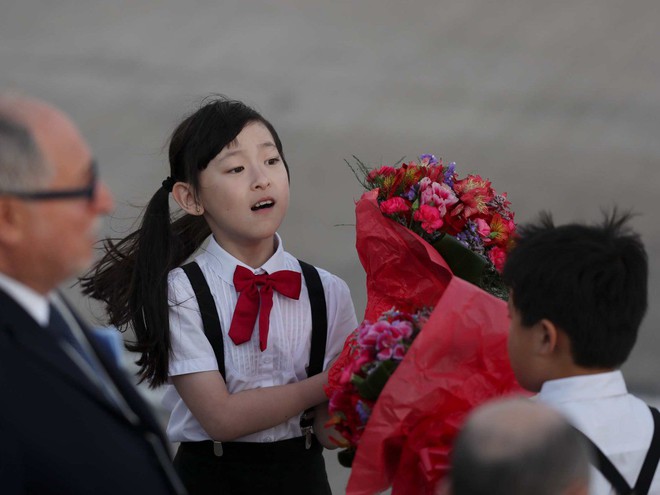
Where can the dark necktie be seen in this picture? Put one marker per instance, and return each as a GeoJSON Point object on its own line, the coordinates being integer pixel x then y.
{"type": "Point", "coordinates": [61, 330]}
{"type": "Point", "coordinates": [257, 297]}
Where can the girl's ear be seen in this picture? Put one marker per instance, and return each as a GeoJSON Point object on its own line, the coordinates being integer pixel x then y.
{"type": "Point", "coordinates": [547, 337]}
{"type": "Point", "coordinates": [185, 197]}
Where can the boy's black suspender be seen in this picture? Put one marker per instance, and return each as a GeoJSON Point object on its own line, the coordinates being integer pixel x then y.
{"type": "Point", "coordinates": [607, 469]}
{"type": "Point", "coordinates": [213, 329]}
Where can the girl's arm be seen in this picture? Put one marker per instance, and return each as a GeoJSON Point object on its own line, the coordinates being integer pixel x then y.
{"type": "Point", "coordinates": [226, 416]}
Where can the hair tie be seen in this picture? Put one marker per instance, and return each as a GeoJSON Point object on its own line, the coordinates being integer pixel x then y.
{"type": "Point", "coordinates": [168, 184]}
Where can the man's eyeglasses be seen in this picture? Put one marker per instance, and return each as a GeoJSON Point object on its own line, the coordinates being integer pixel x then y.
{"type": "Point", "coordinates": [86, 192]}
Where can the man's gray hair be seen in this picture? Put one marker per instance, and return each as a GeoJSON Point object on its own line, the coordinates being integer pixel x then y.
{"type": "Point", "coordinates": [518, 448]}
{"type": "Point", "coordinates": [22, 165]}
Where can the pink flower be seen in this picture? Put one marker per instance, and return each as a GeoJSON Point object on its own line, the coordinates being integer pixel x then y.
{"type": "Point", "coordinates": [394, 205]}
{"type": "Point", "coordinates": [497, 256]}
{"type": "Point", "coordinates": [399, 352]}
{"type": "Point", "coordinates": [402, 329]}
{"type": "Point", "coordinates": [436, 194]}
{"type": "Point", "coordinates": [429, 218]}
{"type": "Point", "coordinates": [483, 228]}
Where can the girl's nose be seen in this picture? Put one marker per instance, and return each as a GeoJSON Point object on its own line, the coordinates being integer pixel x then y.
{"type": "Point", "coordinates": [261, 179]}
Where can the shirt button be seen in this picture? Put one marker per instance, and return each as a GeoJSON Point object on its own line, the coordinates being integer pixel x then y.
{"type": "Point", "coordinates": [268, 439]}
{"type": "Point", "coordinates": [267, 360]}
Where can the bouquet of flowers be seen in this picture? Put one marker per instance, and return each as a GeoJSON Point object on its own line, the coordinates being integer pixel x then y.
{"type": "Point", "coordinates": [469, 224]}
{"type": "Point", "coordinates": [373, 353]}
{"type": "Point", "coordinates": [421, 232]}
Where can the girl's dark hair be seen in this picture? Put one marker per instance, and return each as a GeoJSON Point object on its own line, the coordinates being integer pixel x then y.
{"type": "Point", "coordinates": [131, 277]}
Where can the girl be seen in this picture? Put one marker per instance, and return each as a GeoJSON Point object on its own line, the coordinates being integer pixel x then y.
{"type": "Point", "coordinates": [231, 333]}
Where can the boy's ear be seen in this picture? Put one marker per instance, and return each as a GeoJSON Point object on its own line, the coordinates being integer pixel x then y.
{"type": "Point", "coordinates": [185, 197]}
{"type": "Point", "coordinates": [548, 335]}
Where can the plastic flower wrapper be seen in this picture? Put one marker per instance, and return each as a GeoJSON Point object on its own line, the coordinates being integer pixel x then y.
{"type": "Point", "coordinates": [458, 361]}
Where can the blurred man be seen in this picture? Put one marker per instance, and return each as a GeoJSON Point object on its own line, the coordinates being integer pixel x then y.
{"type": "Point", "coordinates": [518, 447]}
{"type": "Point", "coordinates": [70, 421]}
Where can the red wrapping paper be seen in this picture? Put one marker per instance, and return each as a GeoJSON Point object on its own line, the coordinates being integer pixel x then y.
{"type": "Point", "coordinates": [403, 270]}
{"type": "Point", "coordinates": [457, 362]}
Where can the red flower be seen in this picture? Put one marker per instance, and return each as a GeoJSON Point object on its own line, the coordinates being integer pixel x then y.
{"type": "Point", "coordinates": [497, 256]}
{"type": "Point", "coordinates": [394, 205]}
{"type": "Point", "coordinates": [475, 193]}
{"type": "Point", "coordinates": [429, 217]}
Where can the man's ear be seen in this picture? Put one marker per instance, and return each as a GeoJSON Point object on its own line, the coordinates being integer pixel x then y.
{"type": "Point", "coordinates": [185, 197]}
{"type": "Point", "coordinates": [547, 336]}
{"type": "Point", "coordinates": [10, 220]}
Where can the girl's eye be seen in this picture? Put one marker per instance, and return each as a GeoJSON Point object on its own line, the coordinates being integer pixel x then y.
{"type": "Point", "coordinates": [236, 170]}
{"type": "Point", "coordinates": [273, 161]}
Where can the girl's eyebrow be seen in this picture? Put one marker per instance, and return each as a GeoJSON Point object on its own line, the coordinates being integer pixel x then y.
{"type": "Point", "coordinates": [236, 151]}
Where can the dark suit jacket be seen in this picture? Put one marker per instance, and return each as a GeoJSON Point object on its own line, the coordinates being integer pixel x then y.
{"type": "Point", "coordinates": [59, 433]}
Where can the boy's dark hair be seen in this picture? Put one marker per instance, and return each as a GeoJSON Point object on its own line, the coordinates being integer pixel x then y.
{"type": "Point", "coordinates": [131, 277]}
{"type": "Point", "coordinates": [589, 280]}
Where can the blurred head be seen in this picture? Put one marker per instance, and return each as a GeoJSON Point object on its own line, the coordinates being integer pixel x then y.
{"type": "Point", "coordinates": [590, 282]}
{"type": "Point", "coordinates": [518, 447]}
{"type": "Point", "coordinates": [50, 200]}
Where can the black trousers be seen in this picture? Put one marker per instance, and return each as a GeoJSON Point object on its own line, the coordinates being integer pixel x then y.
{"type": "Point", "coordinates": [284, 467]}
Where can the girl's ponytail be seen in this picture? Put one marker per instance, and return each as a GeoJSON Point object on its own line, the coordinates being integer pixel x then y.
{"type": "Point", "coordinates": [131, 279]}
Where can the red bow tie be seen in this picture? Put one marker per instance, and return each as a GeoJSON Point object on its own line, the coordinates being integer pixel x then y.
{"type": "Point", "coordinates": [256, 291]}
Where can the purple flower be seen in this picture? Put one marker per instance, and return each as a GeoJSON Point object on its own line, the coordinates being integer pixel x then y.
{"type": "Point", "coordinates": [363, 410]}
{"type": "Point", "coordinates": [470, 237]}
{"type": "Point", "coordinates": [428, 160]}
{"type": "Point", "coordinates": [449, 174]}
{"type": "Point", "coordinates": [412, 193]}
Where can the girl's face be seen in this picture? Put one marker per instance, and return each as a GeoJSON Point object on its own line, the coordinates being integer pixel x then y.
{"type": "Point", "coordinates": [245, 192]}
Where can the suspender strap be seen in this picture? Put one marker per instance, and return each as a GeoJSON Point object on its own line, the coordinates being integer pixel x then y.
{"type": "Point", "coordinates": [607, 469]}
{"type": "Point", "coordinates": [652, 457]}
{"type": "Point", "coordinates": [319, 318]}
{"type": "Point", "coordinates": [208, 311]}
{"type": "Point", "coordinates": [319, 337]}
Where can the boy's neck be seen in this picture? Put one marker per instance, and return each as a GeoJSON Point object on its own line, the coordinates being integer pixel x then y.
{"type": "Point", "coordinates": [573, 370]}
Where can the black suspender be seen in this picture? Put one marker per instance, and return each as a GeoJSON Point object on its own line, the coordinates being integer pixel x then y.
{"type": "Point", "coordinates": [643, 484]}
{"type": "Point", "coordinates": [213, 329]}
{"type": "Point", "coordinates": [319, 318]}
{"type": "Point", "coordinates": [208, 311]}
{"type": "Point", "coordinates": [319, 337]}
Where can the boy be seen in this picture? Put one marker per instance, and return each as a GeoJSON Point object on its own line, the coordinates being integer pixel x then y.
{"type": "Point", "coordinates": [578, 295]}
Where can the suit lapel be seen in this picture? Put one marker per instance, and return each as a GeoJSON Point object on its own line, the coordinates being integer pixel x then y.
{"type": "Point", "coordinates": [120, 379]}
{"type": "Point", "coordinates": [37, 344]}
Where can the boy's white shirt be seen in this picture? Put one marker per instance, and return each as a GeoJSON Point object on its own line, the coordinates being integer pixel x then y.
{"type": "Point", "coordinates": [618, 422]}
{"type": "Point", "coordinates": [286, 355]}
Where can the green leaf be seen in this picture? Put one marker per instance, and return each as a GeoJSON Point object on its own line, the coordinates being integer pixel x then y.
{"type": "Point", "coordinates": [371, 386]}
{"type": "Point", "coordinates": [464, 262]}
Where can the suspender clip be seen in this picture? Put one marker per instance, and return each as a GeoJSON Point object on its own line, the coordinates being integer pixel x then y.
{"type": "Point", "coordinates": [307, 431]}
{"type": "Point", "coordinates": [217, 449]}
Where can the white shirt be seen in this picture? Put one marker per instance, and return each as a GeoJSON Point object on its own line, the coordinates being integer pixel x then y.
{"type": "Point", "coordinates": [619, 423]}
{"type": "Point", "coordinates": [32, 302]}
{"type": "Point", "coordinates": [289, 337]}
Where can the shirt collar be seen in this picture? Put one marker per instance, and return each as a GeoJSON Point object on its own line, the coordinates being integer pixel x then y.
{"type": "Point", "coordinates": [227, 263]}
{"type": "Point", "coordinates": [32, 302]}
{"type": "Point", "coordinates": [584, 387]}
